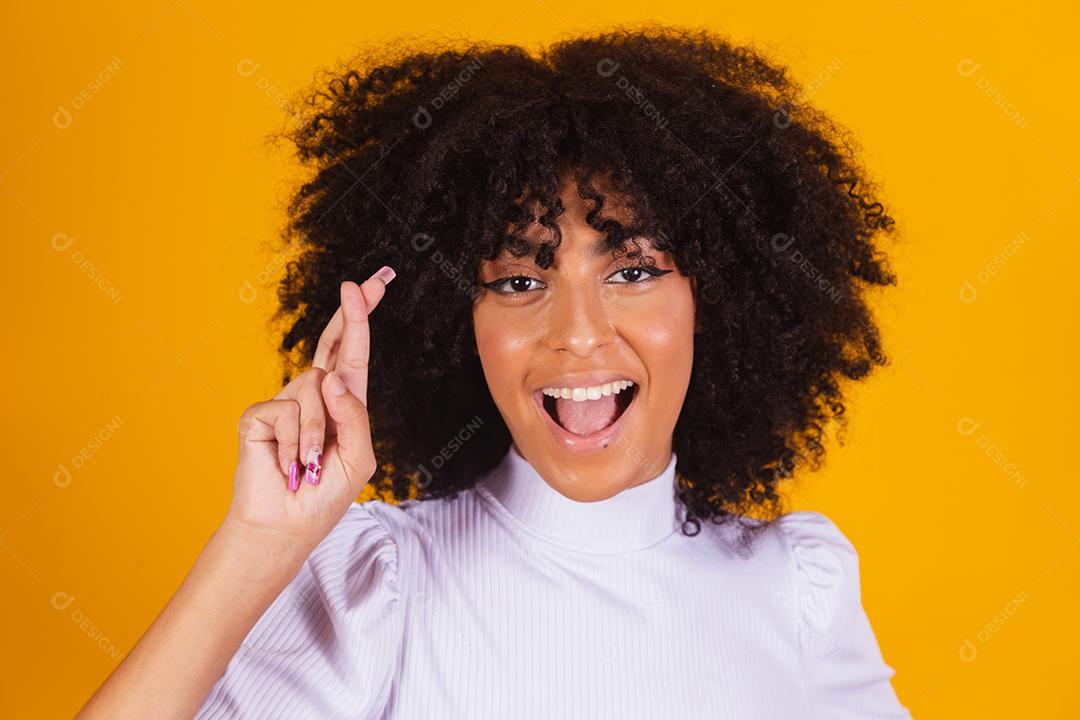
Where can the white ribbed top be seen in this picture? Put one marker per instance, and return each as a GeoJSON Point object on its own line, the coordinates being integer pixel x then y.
{"type": "Point", "coordinates": [514, 601]}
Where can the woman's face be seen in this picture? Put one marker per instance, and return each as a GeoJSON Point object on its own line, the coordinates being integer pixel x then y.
{"type": "Point", "coordinates": [574, 329]}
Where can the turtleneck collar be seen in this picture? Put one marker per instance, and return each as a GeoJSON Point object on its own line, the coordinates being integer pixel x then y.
{"type": "Point", "coordinates": [632, 519]}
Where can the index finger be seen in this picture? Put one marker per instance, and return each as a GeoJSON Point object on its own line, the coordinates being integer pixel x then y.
{"type": "Point", "coordinates": [328, 342]}
{"type": "Point", "coordinates": [357, 302]}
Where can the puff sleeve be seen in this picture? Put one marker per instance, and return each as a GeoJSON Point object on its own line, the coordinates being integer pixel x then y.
{"type": "Point", "coordinates": [846, 675]}
{"type": "Point", "coordinates": [327, 646]}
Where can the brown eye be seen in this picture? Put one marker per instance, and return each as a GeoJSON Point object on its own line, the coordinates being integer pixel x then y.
{"type": "Point", "coordinates": [518, 284]}
{"type": "Point", "coordinates": [632, 274]}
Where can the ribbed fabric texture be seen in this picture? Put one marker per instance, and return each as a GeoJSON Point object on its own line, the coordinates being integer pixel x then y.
{"type": "Point", "coordinates": [514, 601]}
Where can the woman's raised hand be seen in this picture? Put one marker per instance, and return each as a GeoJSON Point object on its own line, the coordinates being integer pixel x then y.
{"type": "Point", "coordinates": [272, 524]}
{"type": "Point", "coordinates": [306, 454]}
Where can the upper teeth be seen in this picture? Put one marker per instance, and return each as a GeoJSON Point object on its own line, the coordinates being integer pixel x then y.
{"type": "Point", "coordinates": [579, 394]}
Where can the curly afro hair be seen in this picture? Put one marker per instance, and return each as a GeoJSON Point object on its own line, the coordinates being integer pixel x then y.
{"type": "Point", "coordinates": [424, 160]}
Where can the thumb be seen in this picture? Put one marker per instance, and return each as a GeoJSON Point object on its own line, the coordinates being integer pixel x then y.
{"type": "Point", "coordinates": [353, 430]}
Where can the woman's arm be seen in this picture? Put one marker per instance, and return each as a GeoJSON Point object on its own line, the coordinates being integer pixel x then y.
{"type": "Point", "coordinates": [272, 524]}
{"type": "Point", "coordinates": [187, 648]}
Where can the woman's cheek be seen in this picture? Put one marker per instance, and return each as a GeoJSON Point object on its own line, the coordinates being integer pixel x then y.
{"type": "Point", "coordinates": [504, 342]}
{"type": "Point", "coordinates": [663, 320]}
{"type": "Point", "coordinates": [662, 334]}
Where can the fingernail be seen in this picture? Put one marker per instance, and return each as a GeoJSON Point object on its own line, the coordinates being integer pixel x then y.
{"type": "Point", "coordinates": [334, 384]}
{"type": "Point", "coordinates": [386, 274]}
{"type": "Point", "coordinates": [294, 476]}
{"type": "Point", "coordinates": [313, 467]}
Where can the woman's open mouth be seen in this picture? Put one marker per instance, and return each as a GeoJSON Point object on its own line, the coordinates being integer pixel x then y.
{"type": "Point", "coordinates": [588, 424]}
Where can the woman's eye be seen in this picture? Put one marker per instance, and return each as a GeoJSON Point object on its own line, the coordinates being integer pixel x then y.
{"type": "Point", "coordinates": [631, 275]}
{"type": "Point", "coordinates": [513, 285]}
{"type": "Point", "coordinates": [521, 284]}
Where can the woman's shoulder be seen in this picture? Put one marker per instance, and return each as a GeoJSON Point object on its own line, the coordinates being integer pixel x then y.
{"type": "Point", "coordinates": [823, 560]}
{"type": "Point", "coordinates": [422, 518]}
{"type": "Point", "coordinates": [845, 665]}
{"type": "Point", "coordinates": [381, 520]}
{"type": "Point", "coordinates": [804, 535]}
{"type": "Point", "coordinates": [813, 537]}
{"type": "Point", "coordinates": [341, 617]}
{"type": "Point", "coordinates": [353, 569]}
{"type": "Point", "coordinates": [406, 520]}
{"type": "Point", "coordinates": [402, 529]}
{"type": "Point", "coordinates": [814, 566]}
{"type": "Point", "coordinates": [362, 531]}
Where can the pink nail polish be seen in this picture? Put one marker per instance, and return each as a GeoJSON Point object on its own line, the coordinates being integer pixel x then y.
{"type": "Point", "coordinates": [314, 468]}
{"type": "Point", "coordinates": [294, 476]}
{"type": "Point", "coordinates": [386, 274]}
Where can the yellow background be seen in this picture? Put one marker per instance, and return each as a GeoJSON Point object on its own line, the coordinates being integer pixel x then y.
{"type": "Point", "coordinates": [134, 225]}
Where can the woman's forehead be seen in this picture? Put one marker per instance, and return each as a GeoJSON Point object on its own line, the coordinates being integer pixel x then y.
{"type": "Point", "coordinates": [593, 246]}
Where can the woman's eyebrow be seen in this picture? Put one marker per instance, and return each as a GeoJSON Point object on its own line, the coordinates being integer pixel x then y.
{"type": "Point", "coordinates": [599, 248]}
{"type": "Point", "coordinates": [643, 242]}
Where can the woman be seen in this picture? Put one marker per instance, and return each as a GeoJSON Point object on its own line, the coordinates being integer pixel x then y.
{"type": "Point", "coordinates": [633, 279]}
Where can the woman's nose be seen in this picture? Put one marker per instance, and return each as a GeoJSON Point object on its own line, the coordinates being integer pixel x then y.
{"type": "Point", "coordinates": [580, 320]}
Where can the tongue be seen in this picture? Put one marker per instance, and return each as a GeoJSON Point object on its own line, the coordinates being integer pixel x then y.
{"type": "Point", "coordinates": [586, 417]}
